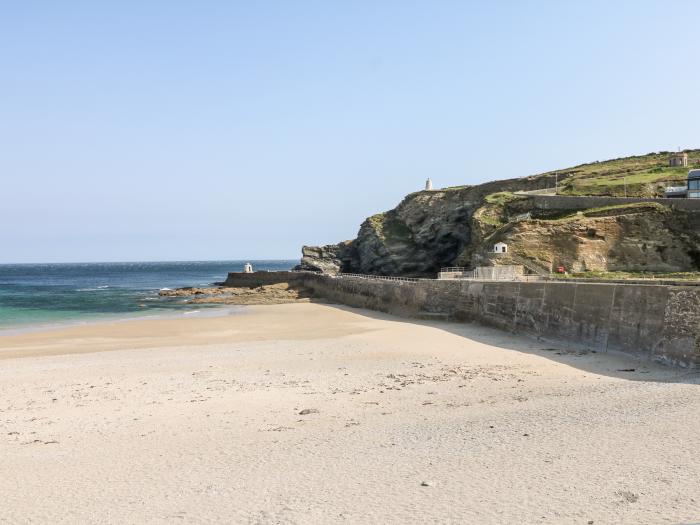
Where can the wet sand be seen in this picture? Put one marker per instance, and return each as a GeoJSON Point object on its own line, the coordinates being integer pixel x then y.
{"type": "Point", "coordinates": [310, 413]}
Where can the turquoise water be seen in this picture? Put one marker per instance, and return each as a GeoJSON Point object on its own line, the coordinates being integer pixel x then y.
{"type": "Point", "coordinates": [43, 295]}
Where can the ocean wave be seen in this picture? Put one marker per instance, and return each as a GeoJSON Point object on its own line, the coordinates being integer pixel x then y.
{"type": "Point", "coordinates": [91, 289]}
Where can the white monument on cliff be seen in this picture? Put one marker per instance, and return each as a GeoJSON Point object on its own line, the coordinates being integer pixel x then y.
{"type": "Point", "coordinates": [428, 185]}
{"type": "Point", "coordinates": [248, 268]}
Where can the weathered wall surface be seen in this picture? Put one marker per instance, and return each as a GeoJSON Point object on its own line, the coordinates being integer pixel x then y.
{"type": "Point", "coordinates": [657, 322]}
{"type": "Point", "coordinates": [505, 272]}
{"type": "Point", "coordinates": [564, 202]}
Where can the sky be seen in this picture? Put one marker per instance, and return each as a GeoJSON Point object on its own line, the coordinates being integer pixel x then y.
{"type": "Point", "coordinates": [173, 130]}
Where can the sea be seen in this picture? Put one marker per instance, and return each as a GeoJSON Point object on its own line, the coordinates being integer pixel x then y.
{"type": "Point", "coordinates": [42, 296]}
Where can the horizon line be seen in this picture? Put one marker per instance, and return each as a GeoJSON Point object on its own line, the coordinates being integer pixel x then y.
{"type": "Point", "coordinates": [153, 261]}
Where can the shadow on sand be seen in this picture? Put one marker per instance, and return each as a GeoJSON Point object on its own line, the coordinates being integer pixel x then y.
{"type": "Point", "coordinates": [605, 363]}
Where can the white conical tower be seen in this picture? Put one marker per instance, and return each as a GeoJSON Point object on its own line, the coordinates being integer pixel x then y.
{"type": "Point", "coordinates": [428, 184]}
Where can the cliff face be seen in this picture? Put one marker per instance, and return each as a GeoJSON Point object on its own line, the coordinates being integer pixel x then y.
{"type": "Point", "coordinates": [459, 226]}
{"type": "Point", "coordinates": [633, 239]}
{"type": "Point", "coordinates": [425, 232]}
{"type": "Point", "coordinates": [330, 259]}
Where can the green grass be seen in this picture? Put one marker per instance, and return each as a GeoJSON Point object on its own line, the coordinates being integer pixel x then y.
{"type": "Point", "coordinates": [493, 210]}
{"type": "Point", "coordinates": [454, 188]}
{"type": "Point", "coordinates": [607, 211]}
{"type": "Point", "coordinates": [377, 221]}
{"type": "Point", "coordinates": [625, 165]}
{"type": "Point", "coordinates": [501, 198]}
{"type": "Point", "coordinates": [644, 176]}
{"type": "Point", "coordinates": [491, 219]}
{"type": "Point", "coordinates": [389, 227]}
{"type": "Point", "coordinates": [647, 182]}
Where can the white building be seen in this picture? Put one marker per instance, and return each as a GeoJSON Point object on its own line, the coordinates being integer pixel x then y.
{"type": "Point", "coordinates": [248, 268]}
{"type": "Point", "coordinates": [428, 185]}
{"type": "Point", "coordinates": [500, 247]}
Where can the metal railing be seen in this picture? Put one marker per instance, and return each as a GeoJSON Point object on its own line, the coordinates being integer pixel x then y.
{"type": "Point", "coordinates": [455, 269]}
{"type": "Point", "coordinates": [381, 277]}
{"type": "Point", "coordinates": [457, 272]}
{"type": "Point", "coordinates": [461, 274]}
{"type": "Point", "coordinates": [519, 278]}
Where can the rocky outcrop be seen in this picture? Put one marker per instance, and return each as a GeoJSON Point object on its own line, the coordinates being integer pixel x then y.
{"type": "Point", "coordinates": [330, 259]}
{"type": "Point", "coordinates": [278, 293]}
{"type": "Point", "coordinates": [458, 226]}
{"type": "Point", "coordinates": [426, 231]}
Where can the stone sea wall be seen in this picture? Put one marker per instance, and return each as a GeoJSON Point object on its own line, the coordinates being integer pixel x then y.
{"type": "Point", "coordinates": [659, 322]}
{"type": "Point", "coordinates": [257, 279]}
{"type": "Point", "coordinates": [565, 202]}
{"type": "Point", "coordinates": [656, 322]}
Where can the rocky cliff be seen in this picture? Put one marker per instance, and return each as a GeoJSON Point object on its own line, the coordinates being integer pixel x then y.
{"type": "Point", "coordinates": [426, 231]}
{"type": "Point", "coordinates": [459, 226]}
{"type": "Point", "coordinates": [430, 230]}
{"type": "Point", "coordinates": [630, 238]}
{"type": "Point", "coordinates": [331, 258]}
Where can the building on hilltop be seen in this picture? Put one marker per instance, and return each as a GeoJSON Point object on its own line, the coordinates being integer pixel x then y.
{"type": "Point", "coordinates": [679, 159]}
{"type": "Point", "coordinates": [428, 185]}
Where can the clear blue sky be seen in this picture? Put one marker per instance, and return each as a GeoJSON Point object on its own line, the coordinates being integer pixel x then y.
{"type": "Point", "coordinates": [233, 130]}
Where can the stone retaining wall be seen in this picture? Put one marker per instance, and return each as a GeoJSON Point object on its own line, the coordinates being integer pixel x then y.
{"type": "Point", "coordinates": [564, 202]}
{"type": "Point", "coordinates": [504, 272]}
{"type": "Point", "coordinates": [656, 322]}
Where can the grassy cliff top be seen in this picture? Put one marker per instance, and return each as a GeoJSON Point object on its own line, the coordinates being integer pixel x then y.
{"type": "Point", "coordinates": [644, 175]}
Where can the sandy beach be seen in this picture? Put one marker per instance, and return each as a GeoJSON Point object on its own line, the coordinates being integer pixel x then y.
{"type": "Point", "coordinates": [312, 413]}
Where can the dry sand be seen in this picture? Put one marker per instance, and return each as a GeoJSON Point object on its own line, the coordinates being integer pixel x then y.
{"type": "Point", "coordinates": [205, 421]}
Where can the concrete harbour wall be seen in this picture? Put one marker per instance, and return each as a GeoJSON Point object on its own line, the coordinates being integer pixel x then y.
{"type": "Point", "coordinates": [656, 322]}
{"type": "Point", "coordinates": [257, 279]}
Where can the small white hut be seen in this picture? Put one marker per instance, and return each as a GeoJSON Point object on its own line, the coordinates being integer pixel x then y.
{"type": "Point", "coordinates": [500, 247]}
{"type": "Point", "coordinates": [248, 268]}
{"type": "Point", "coordinates": [428, 185]}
